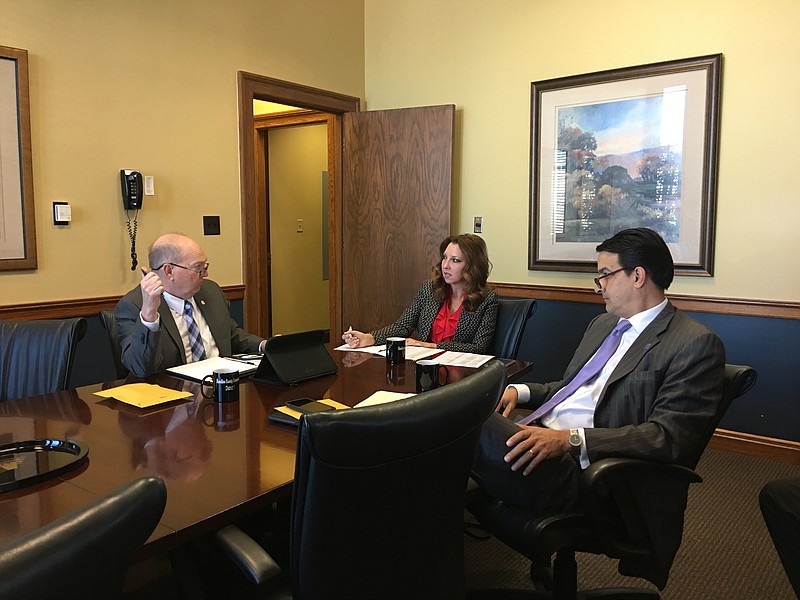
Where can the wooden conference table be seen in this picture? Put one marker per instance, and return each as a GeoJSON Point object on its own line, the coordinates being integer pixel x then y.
{"type": "Point", "coordinates": [220, 462]}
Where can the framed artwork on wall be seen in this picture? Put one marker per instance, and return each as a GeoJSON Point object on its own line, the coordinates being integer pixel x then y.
{"type": "Point", "coordinates": [17, 222]}
{"type": "Point", "coordinates": [630, 147]}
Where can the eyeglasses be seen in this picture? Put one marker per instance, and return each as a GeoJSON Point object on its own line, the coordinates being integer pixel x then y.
{"type": "Point", "coordinates": [200, 271]}
{"type": "Point", "coordinates": [598, 280]}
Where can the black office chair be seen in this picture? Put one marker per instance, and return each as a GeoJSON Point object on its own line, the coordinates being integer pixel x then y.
{"type": "Point", "coordinates": [36, 356]}
{"type": "Point", "coordinates": [86, 553]}
{"type": "Point", "coordinates": [378, 498]}
{"type": "Point", "coordinates": [512, 316]}
{"type": "Point", "coordinates": [615, 522]}
{"type": "Point", "coordinates": [109, 323]}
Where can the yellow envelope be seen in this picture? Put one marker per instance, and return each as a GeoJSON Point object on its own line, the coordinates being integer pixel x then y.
{"type": "Point", "coordinates": [143, 395]}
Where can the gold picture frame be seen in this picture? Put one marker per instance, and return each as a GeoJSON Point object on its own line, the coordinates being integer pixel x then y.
{"type": "Point", "coordinates": [17, 219]}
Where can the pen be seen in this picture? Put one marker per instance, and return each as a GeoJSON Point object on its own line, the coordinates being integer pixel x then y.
{"type": "Point", "coordinates": [239, 360]}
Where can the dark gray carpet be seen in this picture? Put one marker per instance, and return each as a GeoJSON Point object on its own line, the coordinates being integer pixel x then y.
{"type": "Point", "coordinates": [726, 551]}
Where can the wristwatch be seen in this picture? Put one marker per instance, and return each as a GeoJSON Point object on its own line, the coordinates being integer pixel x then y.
{"type": "Point", "coordinates": [575, 441]}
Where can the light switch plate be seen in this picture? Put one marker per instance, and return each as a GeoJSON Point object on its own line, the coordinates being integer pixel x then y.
{"type": "Point", "coordinates": [62, 213]}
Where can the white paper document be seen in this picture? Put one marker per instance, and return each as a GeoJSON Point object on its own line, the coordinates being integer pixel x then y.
{"type": "Point", "coordinates": [382, 397]}
{"type": "Point", "coordinates": [197, 370]}
{"type": "Point", "coordinates": [367, 349]}
{"type": "Point", "coordinates": [412, 352]}
{"type": "Point", "coordinates": [463, 359]}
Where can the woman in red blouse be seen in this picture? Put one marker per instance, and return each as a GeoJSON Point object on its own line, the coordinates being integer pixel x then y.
{"type": "Point", "coordinates": [454, 310]}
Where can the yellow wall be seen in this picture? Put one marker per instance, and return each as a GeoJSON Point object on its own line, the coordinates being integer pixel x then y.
{"type": "Point", "coordinates": [483, 57]}
{"type": "Point", "coordinates": [151, 85]}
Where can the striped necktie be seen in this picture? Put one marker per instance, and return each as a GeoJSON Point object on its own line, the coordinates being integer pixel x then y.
{"type": "Point", "coordinates": [588, 372]}
{"type": "Point", "coordinates": [195, 341]}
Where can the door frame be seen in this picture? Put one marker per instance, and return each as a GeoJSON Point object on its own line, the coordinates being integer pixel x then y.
{"type": "Point", "coordinates": [255, 240]}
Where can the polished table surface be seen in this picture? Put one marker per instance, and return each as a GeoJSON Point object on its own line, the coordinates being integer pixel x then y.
{"type": "Point", "coordinates": [220, 462]}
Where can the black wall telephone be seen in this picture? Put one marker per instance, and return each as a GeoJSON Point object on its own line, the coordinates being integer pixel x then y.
{"type": "Point", "coordinates": [132, 189]}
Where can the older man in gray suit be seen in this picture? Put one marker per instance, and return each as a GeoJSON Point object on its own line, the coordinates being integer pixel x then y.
{"type": "Point", "coordinates": [176, 315]}
{"type": "Point", "coordinates": [653, 398]}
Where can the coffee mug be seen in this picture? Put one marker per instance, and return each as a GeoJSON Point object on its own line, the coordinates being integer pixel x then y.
{"type": "Point", "coordinates": [224, 385]}
{"type": "Point", "coordinates": [395, 350]}
{"type": "Point", "coordinates": [222, 416]}
{"type": "Point", "coordinates": [429, 375]}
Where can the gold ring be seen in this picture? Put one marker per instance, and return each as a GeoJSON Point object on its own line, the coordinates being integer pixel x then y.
{"type": "Point", "coordinates": [532, 452]}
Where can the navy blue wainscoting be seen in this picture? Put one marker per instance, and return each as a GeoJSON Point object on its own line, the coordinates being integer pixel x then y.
{"type": "Point", "coordinates": [771, 346]}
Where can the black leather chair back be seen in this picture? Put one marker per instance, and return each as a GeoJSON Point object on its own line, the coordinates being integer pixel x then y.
{"type": "Point", "coordinates": [84, 554]}
{"type": "Point", "coordinates": [512, 316]}
{"type": "Point", "coordinates": [36, 356]}
{"type": "Point", "coordinates": [109, 323]}
{"type": "Point", "coordinates": [378, 498]}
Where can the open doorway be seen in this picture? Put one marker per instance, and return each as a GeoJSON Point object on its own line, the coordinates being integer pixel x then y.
{"type": "Point", "coordinates": [292, 144]}
{"type": "Point", "coordinates": [255, 232]}
{"type": "Point", "coordinates": [390, 175]}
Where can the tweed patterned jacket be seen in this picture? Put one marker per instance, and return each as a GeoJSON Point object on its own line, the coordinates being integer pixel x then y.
{"type": "Point", "coordinates": [474, 332]}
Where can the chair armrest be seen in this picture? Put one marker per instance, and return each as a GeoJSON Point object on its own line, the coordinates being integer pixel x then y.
{"type": "Point", "coordinates": [613, 492]}
{"type": "Point", "coordinates": [248, 555]}
{"type": "Point", "coordinates": [605, 470]}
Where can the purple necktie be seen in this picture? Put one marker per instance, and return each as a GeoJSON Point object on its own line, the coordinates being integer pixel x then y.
{"type": "Point", "coordinates": [589, 371]}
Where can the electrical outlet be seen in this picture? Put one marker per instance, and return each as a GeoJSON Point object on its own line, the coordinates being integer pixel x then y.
{"type": "Point", "coordinates": [211, 225]}
{"type": "Point", "coordinates": [478, 228]}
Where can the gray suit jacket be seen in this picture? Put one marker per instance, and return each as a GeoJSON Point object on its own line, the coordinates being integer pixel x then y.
{"type": "Point", "coordinates": [660, 399]}
{"type": "Point", "coordinates": [145, 352]}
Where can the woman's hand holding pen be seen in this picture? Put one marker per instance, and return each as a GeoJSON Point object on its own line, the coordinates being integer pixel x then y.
{"type": "Point", "coordinates": [151, 295]}
{"type": "Point", "coordinates": [357, 339]}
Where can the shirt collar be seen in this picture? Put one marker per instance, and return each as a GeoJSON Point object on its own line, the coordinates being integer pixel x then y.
{"type": "Point", "coordinates": [640, 321]}
{"type": "Point", "coordinates": [176, 304]}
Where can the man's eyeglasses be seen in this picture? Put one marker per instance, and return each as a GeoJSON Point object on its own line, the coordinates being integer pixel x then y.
{"type": "Point", "coordinates": [199, 271]}
{"type": "Point", "coordinates": [598, 280]}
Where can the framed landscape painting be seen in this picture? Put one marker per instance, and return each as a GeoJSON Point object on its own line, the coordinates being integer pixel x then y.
{"type": "Point", "coordinates": [632, 147]}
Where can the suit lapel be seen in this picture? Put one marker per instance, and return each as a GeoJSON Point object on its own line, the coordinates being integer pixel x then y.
{"type": "Point", "coordinates": [648, 339]}
{"type": "Point", "coordinates": [168, 323]}
{"type": "Point", "coordinates": [214, 325]}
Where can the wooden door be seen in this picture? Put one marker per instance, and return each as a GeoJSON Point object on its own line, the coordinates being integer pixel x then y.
{"type": "Point", "coordinates": [396, 189]}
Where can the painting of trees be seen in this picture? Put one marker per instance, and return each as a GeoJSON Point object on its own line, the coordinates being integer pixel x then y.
{"type": "Point", "coordinates": [618, 172]}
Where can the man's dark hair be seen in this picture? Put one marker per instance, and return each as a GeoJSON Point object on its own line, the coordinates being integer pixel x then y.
{"type": "Point", "coordinates": [642, 247]}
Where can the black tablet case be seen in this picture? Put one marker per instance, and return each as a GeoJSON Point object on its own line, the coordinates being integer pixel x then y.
{"type": "Point", "coordinates": [295, 357]}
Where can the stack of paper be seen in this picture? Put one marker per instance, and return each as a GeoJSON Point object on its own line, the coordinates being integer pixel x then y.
{"type": "Point", "coordinates": [197, 370]}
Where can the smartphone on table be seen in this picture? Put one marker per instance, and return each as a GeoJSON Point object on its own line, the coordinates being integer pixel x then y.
{"type": "Point", "coordinates": [307, 405]}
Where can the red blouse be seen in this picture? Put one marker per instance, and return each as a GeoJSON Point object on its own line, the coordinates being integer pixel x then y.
{"type": "Point", "coordinates": [445, 323]}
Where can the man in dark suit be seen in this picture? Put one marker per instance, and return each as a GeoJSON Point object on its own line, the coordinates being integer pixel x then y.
{"type": "Point", "coordinates": [176, 315]}
{"type": "Point", "coordinates": [653, 398]}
